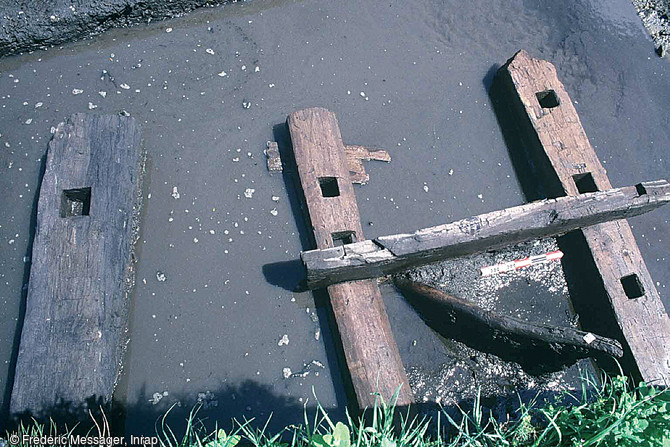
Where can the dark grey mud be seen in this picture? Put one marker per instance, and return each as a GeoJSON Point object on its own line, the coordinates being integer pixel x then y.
{"type": "Point", "coordinates": [36, 24]}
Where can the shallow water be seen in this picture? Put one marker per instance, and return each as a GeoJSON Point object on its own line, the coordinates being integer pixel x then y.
{"type": "Point", "coordinates": [410, 77]}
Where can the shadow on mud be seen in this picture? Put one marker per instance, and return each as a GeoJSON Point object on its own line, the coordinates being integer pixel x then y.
{"type": "Point", "coordinates": [4, 411]}
{"type": "Point", "coordinates": [248, 402]}
{"type": "Point", "coordinates": [290, 274]}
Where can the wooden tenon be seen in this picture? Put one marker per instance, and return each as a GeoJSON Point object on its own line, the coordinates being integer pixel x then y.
{"type": "Point", "coordinates": [497, 229]}
{"type": "Point", "coordinates": [72, 340]}
{"type": "Point", "coordinates": [568, 165]}
{"type": "Point", "coordinates": [370, 349]}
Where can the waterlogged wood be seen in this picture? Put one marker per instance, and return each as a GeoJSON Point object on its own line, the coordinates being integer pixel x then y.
{"type": "Point", "coordinates": [72, 341]}
{"type": "Point", "coordinates": [550, 217]}
{"type": "Point", "coordinates": [370, 349]}
{"type": "Point", "coordinates": [355, 157]}
{"type": "Point", "coordinates": [562, 341]}
{"type": "Point", "coordinates": [273, 159]}
{"type": "Point", "coordinates": [568, 163]}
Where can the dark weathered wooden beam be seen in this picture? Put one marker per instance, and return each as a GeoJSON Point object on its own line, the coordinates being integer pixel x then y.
{"type": "Point", "coordinates": [370, 349]}
{"type": "Point", "coordinates": [567, 163]}
{"type": "Point", "coordinates": [563, 344]}
{"type": "Point", "coordinates": [550, 217]}
{"type": "Point", "coordinates": [72, 341]}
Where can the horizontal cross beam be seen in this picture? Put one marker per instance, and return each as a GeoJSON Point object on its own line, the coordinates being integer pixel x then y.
{"type": "Point", "coordinates": [549, 217]}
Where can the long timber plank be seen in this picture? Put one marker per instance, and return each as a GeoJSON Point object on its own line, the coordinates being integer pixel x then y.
{"type": "Point", "coordinates": [73, 335]}
{"type": "Point", "coordinates": [497, 229]}
{"type": "Point", "coordinates": [370, 349]}
{"type": "Point", "coordinates": [569, 165]}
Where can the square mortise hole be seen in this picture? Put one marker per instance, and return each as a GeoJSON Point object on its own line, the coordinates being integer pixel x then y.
{"type": "Point", "coordinates": [585, 183]}
{"type": "Point", "coordinates": [75, 202]}
{"type": "Point", "coordinates": [343, 238]}
{"type": "Point", "coordinates": [329, 187]}
{"type": "Point", "coordinates": [548, 99]}
{"type": "Point", "coordinates": [641, 190]}
{"type": "Point", "coordinates": [632, 286]}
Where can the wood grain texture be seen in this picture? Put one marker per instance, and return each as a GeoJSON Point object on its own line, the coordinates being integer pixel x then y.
{"type": "Point", "coordinates": [370, 349]}
{"type": "Point", "coordinates": [355, 157]}
{"type": "Point", "coordinates": [566, 159]}
{"type": "Point", "coordinates": [73, 338]}
{"type": "Point", "coordinates": [549, 217]}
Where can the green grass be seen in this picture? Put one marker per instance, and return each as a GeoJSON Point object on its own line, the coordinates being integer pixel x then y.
{"type": "Point", "coordinates": [610, 413]}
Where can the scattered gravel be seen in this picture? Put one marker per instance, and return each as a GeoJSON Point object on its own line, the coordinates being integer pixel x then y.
{"type": "Point", "coordinates": [156, 397]}
{"type": "Point", "coordinates": [466, 370]}
{"type": "Point", "coordinates": [655, 15]}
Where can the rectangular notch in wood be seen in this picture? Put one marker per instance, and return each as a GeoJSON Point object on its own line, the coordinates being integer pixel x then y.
{"type": "Point", "coordinates": [548, 99]}
{"type": "Point", "coordinates": [329, 187]}
{"type": "Point", "coordinates": [75, 202]}
{"type": "Point", "coordinates": [632, 286]}
{"type": "Point", "coordinates": [370, 350]}
{"type": "Point", "coordinates": [585, 183]}
{"type": "Point", "coordinates": [343, 238]}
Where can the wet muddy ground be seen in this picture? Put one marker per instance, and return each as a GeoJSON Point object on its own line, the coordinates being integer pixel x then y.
{"type": "Point", "coordinates": [212, 320]}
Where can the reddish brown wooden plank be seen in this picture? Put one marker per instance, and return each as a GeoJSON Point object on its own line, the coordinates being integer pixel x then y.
{"type": "Point", "coordinates": [369, 346]}
{"type": "Point", "coordinates": [570, 164]}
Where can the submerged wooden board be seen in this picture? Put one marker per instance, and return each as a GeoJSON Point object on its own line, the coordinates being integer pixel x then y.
{"type": "Point", "coordinates": [273, 159]}
{"type": "Point", "coordinates": [76, 312]}
{"type": "Point", "coordinates": [355, 157]}
{"type": "Point", "coordinates": [370, 349]}
{"type": "Point", "coordinates": [550, 217]}
{"type": "Point", "coordinates": [569, 165]}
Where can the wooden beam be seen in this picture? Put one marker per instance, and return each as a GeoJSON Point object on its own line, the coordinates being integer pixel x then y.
{"type": "Point", "coordinates": [550, 217]}
{"type": "Point", "coordinates": [563, 343]}
{"type": "Point", "coordinates": [73, 335]}
{"type": "Point", "coordinates": [568, 165]}
{"type": "Point", "coordinates": [369, 346]}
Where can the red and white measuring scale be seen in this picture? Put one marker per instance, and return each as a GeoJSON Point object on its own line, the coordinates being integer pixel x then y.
{"type": "Point", "coordinates": [521, 263]}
